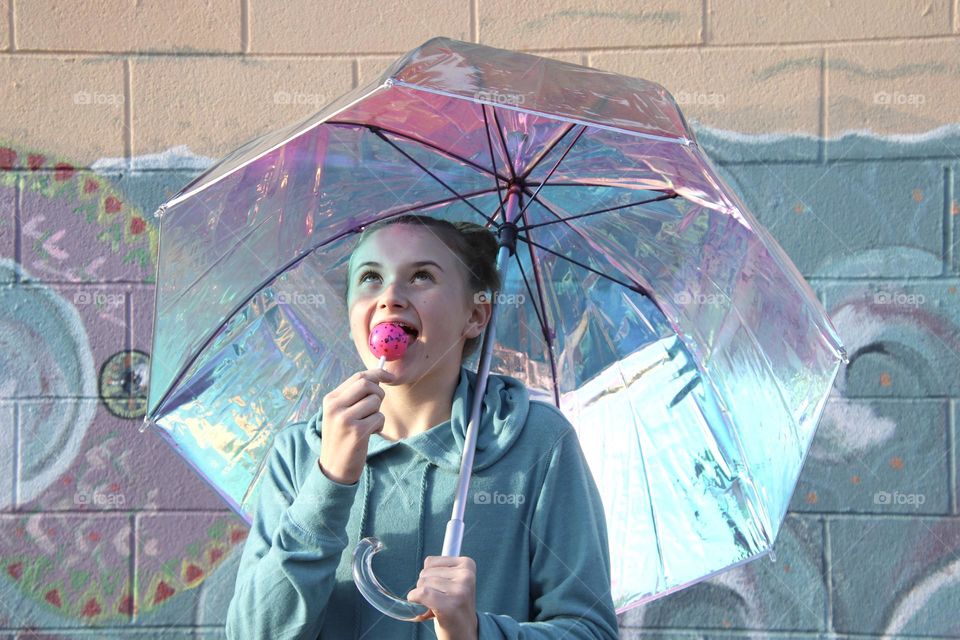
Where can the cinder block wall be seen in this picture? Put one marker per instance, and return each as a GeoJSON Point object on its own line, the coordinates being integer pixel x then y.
{"type": "Point", "coordinates": [837, 122]}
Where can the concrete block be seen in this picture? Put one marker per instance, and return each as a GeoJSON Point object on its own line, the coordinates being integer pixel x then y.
{"type": "Point", "coordinates": [770, 21]}
{"type": "Point", "coordinates": [214, 105]}
{"type": "Point", "coordinates": [78, 227]}
{"type": "Point", "coordinates": [563, 24]}
{"type": "Point", "coordinates": [305, 26]}
{"type": "Point", "coordinates": [65, 570]}
{"type": "Point", "coordinates": [76, 455]}
{"type": "Point", "coordinates": [117, 25]}
{"type": "Point", "coordinates": [67, 107]}
{"type": "Point", "coordinates": [903, 339]}
{"type": "Point", "coordinates": [746, 90]}
{"type": "Point", "coordinates": [882, 456]}
{"type": "Point", "coordinates": [895, 576]}
{"type": "Point", "coordinates": [882, 219]}
{"type": "Point", "coordinates": [175, 555]}
{"type": "Point", "coordinates": [892, 88]}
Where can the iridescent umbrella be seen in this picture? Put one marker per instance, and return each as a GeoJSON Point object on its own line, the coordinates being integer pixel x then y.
{"type": "Point", "coordinates": [644, 299]}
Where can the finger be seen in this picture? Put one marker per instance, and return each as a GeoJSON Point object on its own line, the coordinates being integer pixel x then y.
{"type": "Point", "coordinates": [364, 408]}
{"type": "Point", "coordinates": [372, 424]}
{"type": "Point", "coordinates": [425, 595]}
{"type": "Point", "coordinates": [424, 616]}
{"type": "Point", "coordinates": [438, 574]}
{"type": "Point", "coordinates": [465, 562]}
{"type": "Point", "coordinates": [358, 389]}
{"type": "Point", "coordinates": [378, 375]}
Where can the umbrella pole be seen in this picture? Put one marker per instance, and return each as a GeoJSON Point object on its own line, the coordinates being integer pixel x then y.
{"type": "Point", "coordinates": [507, 239]}
{"type": "Point", "coordinates": [364, 577]}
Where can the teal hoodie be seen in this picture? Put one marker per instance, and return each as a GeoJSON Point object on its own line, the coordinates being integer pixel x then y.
{"type": "Point", "coordinates": [534, 525]}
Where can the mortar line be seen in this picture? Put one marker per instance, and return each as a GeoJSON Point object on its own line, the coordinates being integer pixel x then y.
{"type": "Point", "coordinates": [17, 225]}
{"type": "Point", "coordinates": [128, 112]}
{"type": "Point", "coordinates": [638, 48]}
{"type": "Point", "coordinates": [822, 117]}
{"type": "Point", "coordinates": [704, 22]}
{"type": "Point", "coordinates": [245, 26]}
{"type": "Point", "coordinates": [828, 573]}
{"type": "Point", "coordinates": [355, 73]}
{"type": "Point", "coordinates": [948, 197]}
{"type": "Point", "coordinates": [128, 315]}
{"type": "Point", "coordinates": [546, 51]}
{"type": "Point", "coordinates": [15, 485]}
{"type": "Point", "coordinates": [11, 21]}
{"type": "Point", "coordinates": [132, 568]}
{"type": "Point", "coordinates": [474, 21]}
{"type": "Point", "coordinates": [952, 454]}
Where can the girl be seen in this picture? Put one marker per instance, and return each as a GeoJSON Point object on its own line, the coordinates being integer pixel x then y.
{"type": "Point", "coordinates": [384, 460]}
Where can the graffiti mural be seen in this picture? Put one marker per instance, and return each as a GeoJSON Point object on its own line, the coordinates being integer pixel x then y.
{"type": "Point", "coordinates": [104, 526]}
{"type": "Point", "coordinates": [87, 492]}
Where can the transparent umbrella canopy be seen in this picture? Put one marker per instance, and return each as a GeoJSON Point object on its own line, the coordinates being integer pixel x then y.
{"type": "Point", "coordinates": [640, 296]}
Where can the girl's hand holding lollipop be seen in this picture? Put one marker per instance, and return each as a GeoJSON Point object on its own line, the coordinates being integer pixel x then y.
{"type": "Point", "coordinates": [351, 412]}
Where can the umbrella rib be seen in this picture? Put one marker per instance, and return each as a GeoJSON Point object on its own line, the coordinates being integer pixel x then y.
{"type": "Point", "coordinates": [399, 134]}
{"type": "Point", "coordinates": [633, 287]}
{"type": "Point", "coordinates": [667, 196]}
{"type": "Point", "coordinates": [493, 160]}
{"type": "Point", "coordinates": [503, 142]}
{"type": "Point", "coordinates": [547, 150]}
{"type": "Point", "coordinates": [555, 166]}
{"type": "Point", "coordinates": [536, 309]}
{"type": "Point", "coordinates": [379, 134]}
{"type": "Point", "coordinates": [538, 281]}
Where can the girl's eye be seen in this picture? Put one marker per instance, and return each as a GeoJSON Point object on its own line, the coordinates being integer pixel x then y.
{"type": "Point", "coordinates": [364, 275]}
{"type": "Point", "coordinates": [427, 273]}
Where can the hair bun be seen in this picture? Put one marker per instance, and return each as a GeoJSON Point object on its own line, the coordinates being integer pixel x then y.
{"type": "Point", "coordinates": [481, 237]}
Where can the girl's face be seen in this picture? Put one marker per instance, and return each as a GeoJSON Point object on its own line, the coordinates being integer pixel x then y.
{"type": "Point", "coordinates": [430, 296]}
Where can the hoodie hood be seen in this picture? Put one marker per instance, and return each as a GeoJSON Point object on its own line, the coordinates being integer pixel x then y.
{"type": "Point", "coordinates": [505, 407]}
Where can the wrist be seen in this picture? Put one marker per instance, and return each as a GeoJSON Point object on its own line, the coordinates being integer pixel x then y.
{"type": "Point", "coordinates": [338, 476]}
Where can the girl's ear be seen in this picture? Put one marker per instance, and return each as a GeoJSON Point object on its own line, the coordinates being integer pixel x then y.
{"type": "Point", "coordinates": [479, 318]}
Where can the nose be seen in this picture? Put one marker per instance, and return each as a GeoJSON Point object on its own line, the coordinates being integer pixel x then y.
{"type": "Point", "coordinates": [392, 296]}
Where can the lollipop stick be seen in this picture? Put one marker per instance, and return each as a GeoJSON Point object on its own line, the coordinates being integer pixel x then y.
{"type": "Point", "coordinates": [383, 359]}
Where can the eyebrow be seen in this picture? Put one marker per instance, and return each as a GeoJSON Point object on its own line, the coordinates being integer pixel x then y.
{"type": "Point", "coordinates": [421, 263]}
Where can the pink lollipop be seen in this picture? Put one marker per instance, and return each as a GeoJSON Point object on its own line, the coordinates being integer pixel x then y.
{"type": "Point", "coordinates": [388, 341]}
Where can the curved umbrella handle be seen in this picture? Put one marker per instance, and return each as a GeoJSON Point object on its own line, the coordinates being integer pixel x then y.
{"type": "Point", "coordinates": [375, 593]}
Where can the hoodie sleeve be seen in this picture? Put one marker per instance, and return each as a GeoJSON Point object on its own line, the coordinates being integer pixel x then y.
{"type": "Point", "coordinates": [289, 561]}
{"type": "Point", "coordinates": [570, 559]}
